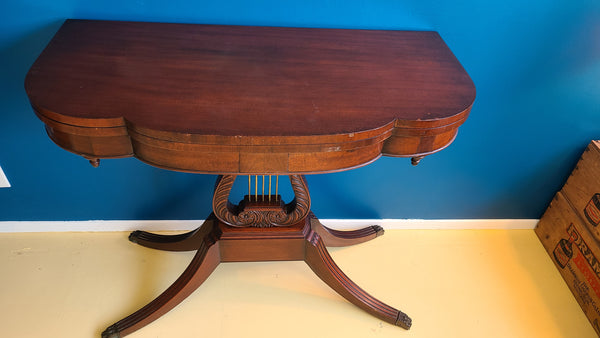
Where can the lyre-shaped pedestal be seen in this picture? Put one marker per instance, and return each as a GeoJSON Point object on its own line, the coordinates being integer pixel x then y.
{"type": "Point", "coordinates": [299, 236]}
{"type": "Point", "coordinates": [263, 212]}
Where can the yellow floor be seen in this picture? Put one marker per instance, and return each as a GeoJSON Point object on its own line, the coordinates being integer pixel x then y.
{"type": "Point", "coordinates": [453, 283]}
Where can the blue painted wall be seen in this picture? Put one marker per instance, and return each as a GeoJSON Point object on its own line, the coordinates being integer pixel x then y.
{"type": "Point", "coordinates": [536, 65]}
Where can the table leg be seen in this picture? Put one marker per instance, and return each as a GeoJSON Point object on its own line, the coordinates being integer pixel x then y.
{"type": "Point", "coordinates": [318, 259]}
{"type": "Point", "coordinates": [332, 237]}
{"type": "Point", "coordinates": [205, 261]}
{"type": "Point", "coordinates": [188, 241]}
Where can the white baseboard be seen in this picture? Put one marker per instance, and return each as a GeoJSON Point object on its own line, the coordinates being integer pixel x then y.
{"type": "Point", "coordinates": [431, 224]}
{"type": "Point", "coordinates": [342, 224]}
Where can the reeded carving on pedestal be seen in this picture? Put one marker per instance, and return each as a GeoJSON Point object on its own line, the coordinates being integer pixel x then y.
{"type": "Point", "coordinates": [261, 213]}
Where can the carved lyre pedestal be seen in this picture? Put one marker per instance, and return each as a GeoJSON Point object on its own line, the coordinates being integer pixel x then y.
{"type": "Point", "coordinates": [260, 228]}
{"type": "Point", "coordinates": [240, 100]}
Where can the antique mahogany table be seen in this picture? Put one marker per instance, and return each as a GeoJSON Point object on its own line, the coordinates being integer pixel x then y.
{"type": "Point", "coordinates": [234, 100]}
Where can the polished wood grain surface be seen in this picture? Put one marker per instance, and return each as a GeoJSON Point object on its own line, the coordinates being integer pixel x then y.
{"type": "Point", "coordinates": [237, 99]}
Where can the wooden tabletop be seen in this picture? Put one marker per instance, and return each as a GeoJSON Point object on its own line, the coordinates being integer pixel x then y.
{"type": "Point", "coordinates": [237, 99]}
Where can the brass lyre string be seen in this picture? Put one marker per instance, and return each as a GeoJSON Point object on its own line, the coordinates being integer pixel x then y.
{"type": "Point", "coordinates": [256, 187]}
{"type": "Point", "coordinates": [249, 186]}
{"type": "Point", "coordinates": [263, 188]}
{"type": "Point", "coordinates": [269, 188]}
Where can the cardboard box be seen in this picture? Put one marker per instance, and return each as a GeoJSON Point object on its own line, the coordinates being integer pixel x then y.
{"type": "Point", "coordinates": [582, 189]}
{"type": "Point", "coordinates": [575, 253]}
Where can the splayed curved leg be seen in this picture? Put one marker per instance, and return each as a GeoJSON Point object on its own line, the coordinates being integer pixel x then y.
{"type": "Point", "coordinates": [332, 237]}
{"type": "Point", "coordinates": [181, 242]}
{"type": "Point", "coordinates": [202, 265]}
{"type": "Point", "coordinates": [323, 265]}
